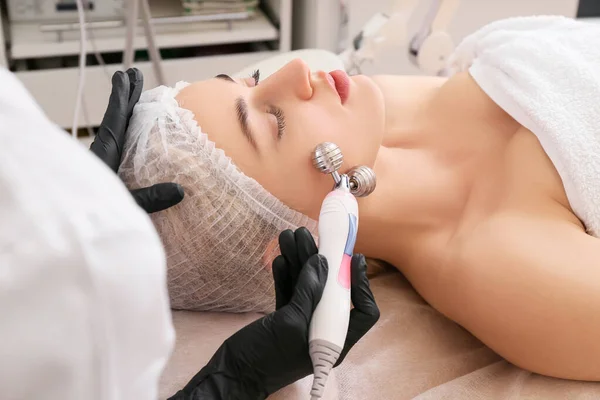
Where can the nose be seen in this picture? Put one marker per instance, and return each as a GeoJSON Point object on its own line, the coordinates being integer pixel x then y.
{"type": "Point", "coordinates": [293, 79]}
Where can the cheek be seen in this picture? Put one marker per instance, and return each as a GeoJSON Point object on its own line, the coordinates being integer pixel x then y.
{"type": "Point", "coordinates": [301, 186]}
{"type": "Point", "coordinates": [290, 176]}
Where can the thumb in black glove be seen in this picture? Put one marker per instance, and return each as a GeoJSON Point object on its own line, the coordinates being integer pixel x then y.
{"type": "Point", "coordinates": [110, 140]}
{"type": "Point", "coordinates": [272, 352]}
{"type": "Point", "coordinates": [296, 248]}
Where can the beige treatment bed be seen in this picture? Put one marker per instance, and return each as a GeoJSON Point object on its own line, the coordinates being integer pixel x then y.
{"type": "Point", "coordinates": [412, 353]}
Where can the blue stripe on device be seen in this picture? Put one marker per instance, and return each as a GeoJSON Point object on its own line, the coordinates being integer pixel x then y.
{"type": "Point", "coordinates": [351, 240]}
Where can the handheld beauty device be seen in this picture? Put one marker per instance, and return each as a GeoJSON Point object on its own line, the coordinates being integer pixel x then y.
{"type": "Point", "coordinates": [338, 225]}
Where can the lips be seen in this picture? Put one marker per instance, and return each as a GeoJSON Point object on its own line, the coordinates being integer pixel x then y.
{"type": "Point", "coordinates": [341, 81]}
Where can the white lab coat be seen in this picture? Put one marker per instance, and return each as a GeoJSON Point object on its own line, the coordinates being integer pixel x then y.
{"type": "Point", "coordinates": [84, 312]}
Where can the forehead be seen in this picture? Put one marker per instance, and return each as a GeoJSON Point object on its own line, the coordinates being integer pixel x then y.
{"type": "Point", "coordinates": [213, 104]}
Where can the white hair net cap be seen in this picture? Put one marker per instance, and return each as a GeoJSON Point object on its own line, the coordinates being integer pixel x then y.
{"type": "Point", "coordinates": [84, 311]}
{"type": "Point", "coordinates": [222, 238]}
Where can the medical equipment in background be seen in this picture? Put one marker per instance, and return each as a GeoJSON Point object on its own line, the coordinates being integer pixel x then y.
{"type": "Point", "coordinates": [199, 11]}
{"type": "Point", "coordinates": [204, 7]}
{"type": "Point", "coordinates": [82, 56]}
{"type": "Point", "coordinates": [128, 56]}
{"type": "Point", "coordinates": [60, 16]}
{"type": "Point", "coordinates": [67, 12]}
{"type": "Point", "coordinates": [338, 226]}
{"type": "Point", "coordinates": [129, 53]}
{"type": "Point", "coordinates": [63, 10]}
{"type": "Point", "coordinates": [429, 48]}
{"type": "Point", "coordinates": [368, 42]}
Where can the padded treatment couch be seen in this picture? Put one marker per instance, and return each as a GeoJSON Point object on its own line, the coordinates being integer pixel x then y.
{"type": "Point", "coordinates": [412, 353]}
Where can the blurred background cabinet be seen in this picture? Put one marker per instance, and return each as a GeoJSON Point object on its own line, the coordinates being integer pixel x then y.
{"type": "Point", "coordinates": [43, 48]}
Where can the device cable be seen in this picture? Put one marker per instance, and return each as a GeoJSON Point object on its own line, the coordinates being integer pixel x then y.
{"type": "Point", "coordinates": [82, 62]}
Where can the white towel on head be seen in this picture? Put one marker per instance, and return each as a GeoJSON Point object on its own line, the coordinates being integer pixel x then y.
{"type": "Point", "coordinates": [545, 72]}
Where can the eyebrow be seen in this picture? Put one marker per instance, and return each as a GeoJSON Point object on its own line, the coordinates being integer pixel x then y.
{"type": "Point", "coordinates": [241, 108]}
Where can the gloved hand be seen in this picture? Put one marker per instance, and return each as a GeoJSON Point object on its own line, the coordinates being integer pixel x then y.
{"type": "Point", "coordinates": [110, 140]}
{"type": "Point", "coordinates": [272, 352]}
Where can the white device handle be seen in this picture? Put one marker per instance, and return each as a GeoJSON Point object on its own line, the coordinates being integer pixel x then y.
{"type": "Point", "coordinates": [338, 225]}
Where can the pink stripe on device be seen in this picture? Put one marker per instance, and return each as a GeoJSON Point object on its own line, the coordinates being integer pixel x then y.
{"type": "Point", "coordinates": [344, 273]}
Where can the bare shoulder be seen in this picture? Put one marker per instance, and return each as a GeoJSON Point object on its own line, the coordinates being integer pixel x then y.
{"type": "Point", "coordinates": [513, 234]}
{"type": "Point", "coordinates": [529, 288]}
{"type": "Point", "coordinates": [524, 252]}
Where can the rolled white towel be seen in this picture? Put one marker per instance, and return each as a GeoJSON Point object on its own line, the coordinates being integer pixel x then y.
{"type": "Point", "coordinates": [545, 72]}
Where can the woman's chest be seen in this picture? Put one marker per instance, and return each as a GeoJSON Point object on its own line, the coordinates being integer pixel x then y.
{"type": "Point", "coordinates": [516, 182]}
{"type": "Point", "coordinates": [453, 190]}
{"type": "Point", "coordinates": [468, 161]}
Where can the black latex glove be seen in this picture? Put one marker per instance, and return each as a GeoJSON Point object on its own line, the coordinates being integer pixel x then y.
{"type": "Point", "coordinates": [272, 352]}
{"type": "Point", "coordinates": [110, 140]}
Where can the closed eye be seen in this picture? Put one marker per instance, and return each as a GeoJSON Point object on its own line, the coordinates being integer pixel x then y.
{"type": "Point", "coordinates": [278, 113]}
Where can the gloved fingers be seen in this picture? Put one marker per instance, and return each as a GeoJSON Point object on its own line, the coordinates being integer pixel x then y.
{"type": "Point", "coordinates": [360, 289]}
{"type": "Point", "coordinates": [108, 143]}
{"type": "Point", "coordinates": [305, 245]}
{"type": "Point", "coordinates": [365, 313]}
{"type": "Point", "coordinates": [284, 287]}
{"type": "Point", "coordinates": [296, 249]}
{"type": "Point", "coordinates": [289, 250]}
{"type": "Point", "coordinates": [136, 84]}
{"type": "Point", "coordinates": [309, 288]}
{"type": "Point", "coordinates": [158, 197]}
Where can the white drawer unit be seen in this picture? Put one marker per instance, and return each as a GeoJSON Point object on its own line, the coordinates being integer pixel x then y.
{"type": "Point", "coordinates": [63, 10]}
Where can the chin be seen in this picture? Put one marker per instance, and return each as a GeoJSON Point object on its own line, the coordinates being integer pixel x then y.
{"type": "Point", "coordinates": [370, 96]}
{"type": "Point", "coordinates": [367, 83]}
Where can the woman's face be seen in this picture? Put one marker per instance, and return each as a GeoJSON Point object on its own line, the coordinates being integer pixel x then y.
{"type": "Point", "coordinates": [270, 128]}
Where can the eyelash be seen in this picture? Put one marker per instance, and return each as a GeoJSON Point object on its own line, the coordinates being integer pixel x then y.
{"type": "Point", "coordinates": [278, 113]}
{"type": "Point", "coordinates": [256, 76]}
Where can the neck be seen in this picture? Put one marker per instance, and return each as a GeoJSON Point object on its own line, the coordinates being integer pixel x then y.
{"type": "Point", "coordinates": [380, 217]}
{"type": "Point", "coordinates": [391, 213]}
{"type": "Point", "coordinates": [419, 195]}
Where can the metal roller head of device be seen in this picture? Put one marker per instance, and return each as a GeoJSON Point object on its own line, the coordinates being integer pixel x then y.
{"type": "Point", "coordinates": [328, 158]}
